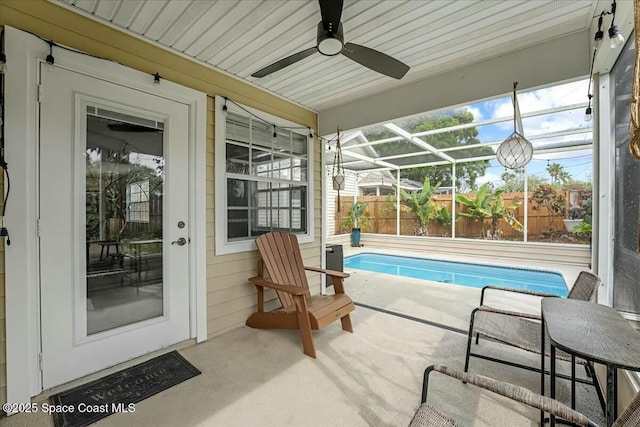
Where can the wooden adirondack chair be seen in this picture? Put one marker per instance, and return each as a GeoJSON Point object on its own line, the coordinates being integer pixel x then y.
{"type": "Point", "coordinates": [286, 275]}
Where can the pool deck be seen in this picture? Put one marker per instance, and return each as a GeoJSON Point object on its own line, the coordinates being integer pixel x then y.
{"type": "Point", "coordinates": [441, 303]}
{"type": "Point", "coordinates": [373, 377]}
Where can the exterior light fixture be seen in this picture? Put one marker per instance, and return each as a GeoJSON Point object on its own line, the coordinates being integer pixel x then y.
{"type": "Point", "coordinates": [599, 34]}
{"type": "Point", "coordinates": [50, 59]}
{"type": "Point", "coordinates": [615, 38]}
{"type": "Point", "coordinates": [587, 114]}
{"type": "Point", "coordinates": [515, 151]}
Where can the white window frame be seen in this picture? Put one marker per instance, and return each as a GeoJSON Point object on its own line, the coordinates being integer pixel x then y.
{"type": "Point", "coordinates": [223, 245]}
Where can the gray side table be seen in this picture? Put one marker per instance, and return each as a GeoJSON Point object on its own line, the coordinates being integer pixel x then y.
{"type": "Point", "coordinates": [593, 332]}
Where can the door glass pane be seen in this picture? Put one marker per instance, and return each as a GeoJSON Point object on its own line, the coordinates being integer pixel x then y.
{"type": "Point", "coordinates": [123, 200]}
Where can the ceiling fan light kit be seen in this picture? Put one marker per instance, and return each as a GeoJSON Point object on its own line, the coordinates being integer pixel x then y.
{"type": "Point", "coordinates": [330, 42]}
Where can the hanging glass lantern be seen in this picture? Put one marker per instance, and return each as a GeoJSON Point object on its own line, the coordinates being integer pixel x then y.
{"type": "Point", "coordinates": [515, 151]}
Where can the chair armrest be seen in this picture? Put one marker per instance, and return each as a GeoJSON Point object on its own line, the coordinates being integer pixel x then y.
{"type": "Point", "coordinates": [517, 393]}
{"type": "Point", "coordinates": [517, 291]}
{"type": "Point", "coordinates": [333, 273]}
{"type": "Point", "coordinates": [290, 289]}
{"type": "Point", "coordinates": [489, 309]}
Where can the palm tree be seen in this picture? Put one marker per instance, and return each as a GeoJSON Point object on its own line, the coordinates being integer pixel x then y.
{"type": "Point", "coordinates": [558, 174]}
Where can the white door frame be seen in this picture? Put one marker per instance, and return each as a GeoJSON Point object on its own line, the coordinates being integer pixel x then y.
{"type": "Point", "coordinates": [24, 53]}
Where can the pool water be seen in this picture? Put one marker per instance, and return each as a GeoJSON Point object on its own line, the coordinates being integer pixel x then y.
{"type": "Point", "coordinates": [460, 273]}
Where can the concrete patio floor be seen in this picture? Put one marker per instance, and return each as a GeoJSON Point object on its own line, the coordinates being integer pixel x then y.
{"type": "Point", "coordinates": [370, 378]}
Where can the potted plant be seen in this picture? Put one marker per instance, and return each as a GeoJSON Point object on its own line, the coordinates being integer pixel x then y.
{"type": "Point", "coordinates": [356, 218]}
{"type": "Point", "coordinates": [578, 215]}
{"type": "Point", "coordinates": [574, 219]}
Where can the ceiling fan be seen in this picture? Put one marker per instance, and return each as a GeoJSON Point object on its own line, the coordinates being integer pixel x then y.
{"type": "Point", "coordinates": [330, 42]}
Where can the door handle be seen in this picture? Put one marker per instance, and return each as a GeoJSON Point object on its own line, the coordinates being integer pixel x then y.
{"type": "Point", "coordinates": [180, 242]}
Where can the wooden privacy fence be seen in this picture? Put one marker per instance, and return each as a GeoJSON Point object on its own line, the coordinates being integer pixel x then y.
{"type": "Point", "coordinates": [380, 218]}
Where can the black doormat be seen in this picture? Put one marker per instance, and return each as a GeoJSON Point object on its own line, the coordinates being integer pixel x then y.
{"type": "Point", "coordinates": [119, 392]}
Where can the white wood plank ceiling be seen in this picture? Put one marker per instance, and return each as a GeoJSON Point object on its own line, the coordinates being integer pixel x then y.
{"type": "Point", "coordinates": [431, 37]}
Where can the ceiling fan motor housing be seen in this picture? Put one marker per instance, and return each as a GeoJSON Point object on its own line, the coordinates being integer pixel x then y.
{"type": "Point", "coordinates": [330, 43]}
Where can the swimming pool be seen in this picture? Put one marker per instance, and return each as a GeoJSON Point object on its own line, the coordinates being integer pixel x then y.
{"type": "Point", "coordinates": [460, 273]}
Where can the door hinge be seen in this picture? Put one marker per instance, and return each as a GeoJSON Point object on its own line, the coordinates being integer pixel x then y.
{"type": "Point", "coordinates": [38, 227]}
{"type": "Point", "coordinates": [40, 361]}
{"type": "Point", "coordinates": [39, 93]}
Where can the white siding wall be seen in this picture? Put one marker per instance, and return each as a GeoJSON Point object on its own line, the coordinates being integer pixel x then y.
{"type": "Point", "coordinates": [332, 197]}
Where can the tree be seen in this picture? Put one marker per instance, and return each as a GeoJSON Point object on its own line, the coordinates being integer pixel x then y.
{"type": "Point", "coordinates": [422, 205]}
{"type": "Point", "coordinates": [489, 204]}
{"type": "Point", "coordinates": [358, 217]}
{"type": "Point", "coordinates": [466, 173]}
{"type": "Point", "coordinates": [444, 218]}
{"type": "Point", "coordinates": [513, 182]}
{"type": "Point", "coordinates": [547, 196]}
{"type": "Point", "coordinates": [558, 174]}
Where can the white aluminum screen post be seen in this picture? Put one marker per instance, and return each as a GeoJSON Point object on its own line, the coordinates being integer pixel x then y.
{"type": "Point", "coordinates": [324, 209]}
{"type": "Point", "coordinates": [453, 200]}
{"type": "Point", "coordinates": [398, 203]}
{"type": "Point", "coordinates": [605, 240]}
{"type": "Point", "coordinates": [355, 190]}
{"type": "Point", "coordinates": [526, 204]}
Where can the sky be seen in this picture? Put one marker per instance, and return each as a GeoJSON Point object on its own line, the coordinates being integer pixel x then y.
{"type": "Point", "coordinates": [577, 163]}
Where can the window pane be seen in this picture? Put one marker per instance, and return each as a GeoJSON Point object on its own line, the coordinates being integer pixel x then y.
{"type": "Point", "coordinates": [299, 144]}
{"type": "Point", "coordinates": [237, 223]}
{"type": "Point", "coordinates": [237, 192]}
{"type": "Point", "coordinates": [266, 199]}
{"type": "Point", "coordinates": [237, 128]}
{"type": "Point", "coordinates": [261, 133]}
{"type": "Point", "coordinates": [299, 170]}
{"type": "Point", "coordinates": [237, 159]}
{"type": "Point", "coordinates": [283, 141]}
{"type": "Point", "coordinates": [260, 162]}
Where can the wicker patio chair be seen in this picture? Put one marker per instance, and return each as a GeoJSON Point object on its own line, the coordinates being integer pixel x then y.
{"type": "Point", "coordinates": [523, 330]}
{"type": "Point", "coordinates": [429, 416]}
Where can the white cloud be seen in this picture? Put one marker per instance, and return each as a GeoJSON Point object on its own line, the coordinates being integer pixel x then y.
{"type": "Point", "coordinates": [477, 114]}
{"type": "Point", "coordinates": [488, 177]}
{"type": "Point", "coordinates": [567, 94]}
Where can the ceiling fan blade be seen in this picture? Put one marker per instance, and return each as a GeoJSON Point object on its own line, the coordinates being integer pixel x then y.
{"type": "Point", "coordinates": [331, 11]}
{"type": "Point", "coordinates": [284, 62]}
{"type": "Point", "coordinates": [376, 61]}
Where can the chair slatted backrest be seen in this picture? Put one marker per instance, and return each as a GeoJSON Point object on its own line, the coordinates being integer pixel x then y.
{"type": "Point", "coordinates": [282, 259]}
{"type": "Point", "coordinates": [585, 286]}
{"type": "Point", "coordinates": [631, 415]}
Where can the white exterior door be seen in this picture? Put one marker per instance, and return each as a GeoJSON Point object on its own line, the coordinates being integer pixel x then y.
{"type": "Point", "coordinates": [114, 223]}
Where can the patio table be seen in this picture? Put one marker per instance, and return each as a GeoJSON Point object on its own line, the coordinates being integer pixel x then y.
{"type": "Point", "coordinates": [594, 332]}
